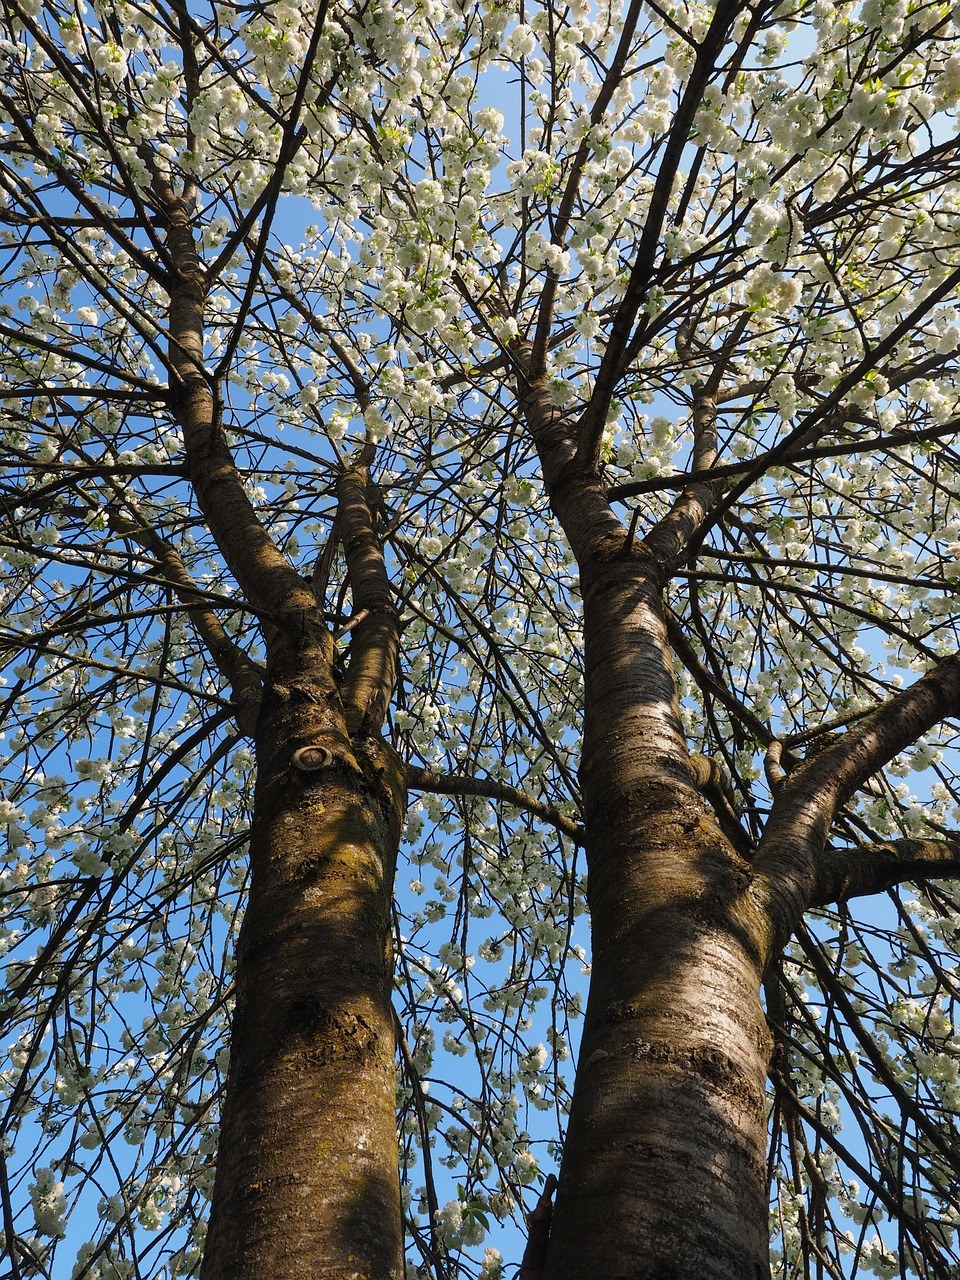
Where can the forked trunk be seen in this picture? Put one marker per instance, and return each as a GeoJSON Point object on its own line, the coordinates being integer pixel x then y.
{"type": "Point", "coordinates": [307, 1181]}
{"type": "Point", "coordinates": [663, 1174]}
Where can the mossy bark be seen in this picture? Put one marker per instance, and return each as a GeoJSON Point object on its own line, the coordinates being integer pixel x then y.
{"type": "Point", "coordinates": [307, 1181]}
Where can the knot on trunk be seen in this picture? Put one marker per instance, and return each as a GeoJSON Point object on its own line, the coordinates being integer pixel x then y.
{"type": "Point", "coordinates": [309, 759]}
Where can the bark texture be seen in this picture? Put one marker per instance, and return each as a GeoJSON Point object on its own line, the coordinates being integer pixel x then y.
{"type": "Point", "coordinates": [663, 1174]}
{"type": "Point", "coordinates": [307, 1181]}
{"type": "Point", "coordinates": [307, 1177]}
{"type": "Point", "coordinates": [664, 1166]}
{"type": "Point", "coordinates": [792, 870]}
{"type": "Point", "coordinates": [667, 1135]}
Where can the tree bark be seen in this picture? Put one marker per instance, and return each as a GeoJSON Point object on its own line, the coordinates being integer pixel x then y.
{"type": "Point", "coordinates": [664, 1171]}
{"type": "Point", "coordinates": [667, 1135]}
{"type": "Point", "coordinates": [307, 1181]}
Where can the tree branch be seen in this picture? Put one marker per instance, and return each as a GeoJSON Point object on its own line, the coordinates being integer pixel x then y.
{"type": "Point", "coordinates": [859, 870]}
{"type": "Point", "coordinates": [459, 784]}
{"type": "Point", "coordinates": [561, 223]}
{"type": "Point", "coordinates": [708, 683]}
{"type": "Point", "coordinates": [538, 1233]}
{"type": "Point", "coordinates": [243, 674]}
{"type": "Point", "coordinates": [714, 784]}
{"type": "Point", "coordinates": [375, 639]}
{"type": "Point", "coordinates": [670, 534]}
{"type": "Point", "coordinates": [611, 366]}
{"type": "Point", "coordinates": [789, 855]}
{"type": "Point", "coordinates": [819, 420]}
{"type": "Point", "coordinates": [576, 495]}
{"type": "Point", "coordinates": [659, 484]}
{"type": "Point", "coordinates": [265, 575]}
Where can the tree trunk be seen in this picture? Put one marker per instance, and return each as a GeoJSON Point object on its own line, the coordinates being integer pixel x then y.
{"type": "Point", "coordinates": [307, 1181]}
{"type": "Point", "coordinates": [663, 1174]}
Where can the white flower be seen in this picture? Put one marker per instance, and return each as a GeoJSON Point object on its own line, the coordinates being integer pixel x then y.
{"type": "Point", "coordinates": [49, 1203]}
{"type": "Point", "coordinates": [492, 1268]}
{"type": "Point", "coordinates": [391, 381]}
{"type": "Point", "coordinates": [489, 120]}
{"type": "Point", "coordinates": [111, 61]}
{"type": "Point", "coordinates": [522, 41]}
{"type": "Point", "coordinates": [428, 193]}
{"type": "Point", "coordinates": [763, 222]}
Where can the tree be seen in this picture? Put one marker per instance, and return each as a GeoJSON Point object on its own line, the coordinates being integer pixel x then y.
{"type": "Point", "coordinates": [356, 358]}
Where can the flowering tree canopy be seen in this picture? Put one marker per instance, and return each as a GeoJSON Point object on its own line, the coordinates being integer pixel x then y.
{"type": "Point", "coordinates": [358, 359]}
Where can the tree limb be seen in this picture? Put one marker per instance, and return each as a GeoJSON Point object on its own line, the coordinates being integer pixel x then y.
{"type": "Point", "coordinates": [621, 331]}
{"type": "Point", "coordinates": [375, 639]}
{"type": "Point", "coordinates": [659, 484]}
{"type": "Point", "coordinates": [714, 784]}
{"type": "Point", "coordinates": [788, 859]}
{"type": "Point", "coordinates": [265, 575]}
{"type": "Point", "coordinates": [818, 421]}
{"type": "Point", "coordinates": [671, 533]}
{"type": "Point", "coordinates": [708, 683]}
{"type": "Point", "coordinates": [538, 1233]}
{"type": "Point", "coordinates": [460, 784]}
{"type": "Point", "coordinates": [243, 674]}
{"type": "Point", "coordinates": [561, 222]}
{"type": "Point", "coordinates": [859, 870]}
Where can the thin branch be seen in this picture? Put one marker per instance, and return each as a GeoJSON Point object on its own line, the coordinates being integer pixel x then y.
{"type": "Point", "coordinates": [461, 784]}
{"type": "Point", "coordinates": [621, 331]}
{"type": "Point", "coordinates": [244, 675]}
{"type": "Point", "coordinates": [561, 223]}
{"type": "Point", "coordinates": [708, 683]}
{"type": "Point", "coordinates": [9, 1231]}
{"type": "Point", "coordinates": [77, 357]}
{"type": "Point", "coordinates": [820, 419]}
